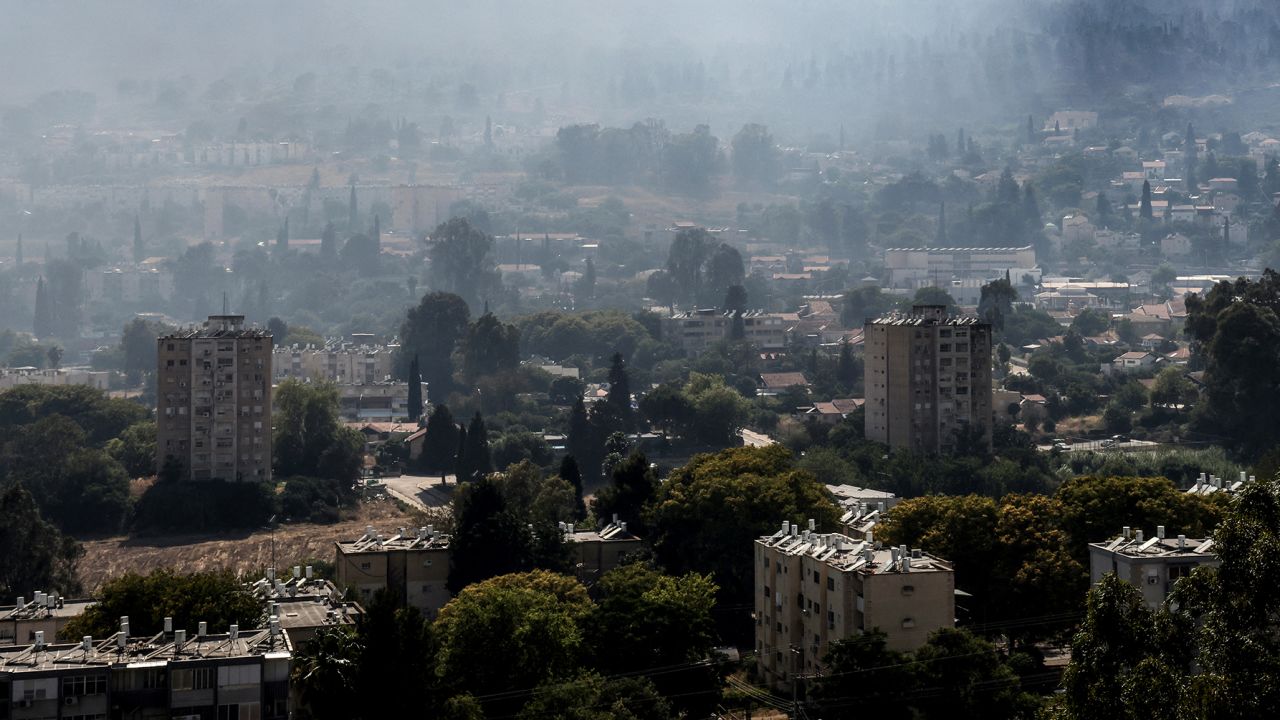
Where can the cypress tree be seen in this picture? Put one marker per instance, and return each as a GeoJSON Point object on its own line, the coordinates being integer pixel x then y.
{"type": "Point", "coordinates": [139, 250]}
{"type": "Point", "coordinates": [377, 236]}
{"type": "Point", "coordinates": [581, 441]}
{"type": "Point", "coordinates": [415, 391]}
{"type": "Point", "coordinates": [20, 258]}
{"type": "Point", "coordinates": [620, 389]}
{"type": "Point", "coordinates": [478, 458]}
{"type": "Point", "coordinates": [1030, 207]}
{"type": "Point", "coordinates": [570, 473]}
{"type": "Point", "coordinates": [351, 210]}
{"type": "Point", "coordinates": [329, 241]}
{"type": "Point", "coordinates": [461, 467]}
{"type": "Point", "coordinates": [282, 236]}
{"type": "Point", "coordinates": [42, 324]}
{"type": "Point", "coordinates": [488, 132]}
{"type": "Point", "coordinates": [941, 240]}
{"type": "Point", "coordinates": [1144, 207]}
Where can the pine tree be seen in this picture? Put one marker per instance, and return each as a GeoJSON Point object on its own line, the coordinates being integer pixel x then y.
{"type": "Point", "coordinates": [569, 473]}
{"type": "Point", "coordinates": [415, 391]}
{"type": "Point", "coordinates": [42, 324]}
{"type": "Point", "coordinates": [377, 236]}
{"type": "Point", "coordinates": [1031, 131]}
{"type": "Point", "coordinates": [282, 236]}
{"type": "Point", "coordinates": [620, 389]}
{"type": "Point", "coordinates": [329, 241]}
{"type": "Point", "coordinates": [1144, 208]}
{"type": "Point", "coordinates": [139, 250]}
{"type": "Point", "coordinates": [351, 210]}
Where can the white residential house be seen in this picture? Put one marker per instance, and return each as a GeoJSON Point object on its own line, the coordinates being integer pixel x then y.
{"type": "Point", "coordinates": [1131, 361]}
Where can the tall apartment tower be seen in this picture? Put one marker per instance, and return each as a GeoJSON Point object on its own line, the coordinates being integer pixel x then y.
{"type": "Point", "coordinates": [928, 379]}
{"type": "Point", "coordinates": [213, 405]}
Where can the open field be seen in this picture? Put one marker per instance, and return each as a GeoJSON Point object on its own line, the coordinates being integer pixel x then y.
{"type": "Point", "coordinates": [246, 551]}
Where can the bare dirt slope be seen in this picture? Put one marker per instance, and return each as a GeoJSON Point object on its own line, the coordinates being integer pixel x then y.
{"type": "Point", "coordinates": [242, 552]}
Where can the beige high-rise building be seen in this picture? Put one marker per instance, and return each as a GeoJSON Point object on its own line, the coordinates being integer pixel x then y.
{"type": "Point", "coordinates": [928, 379]}
{"type": "Point", "coordinates": [213, 403]}
{"type": "Point", "coordinates": [813, 589]}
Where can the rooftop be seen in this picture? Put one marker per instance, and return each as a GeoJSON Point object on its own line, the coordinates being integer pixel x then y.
{"type": "Point", "coordinates": [615, 531]}
{"type": "Point", "coordinates": [1134, 545]}
{"type": "Point", "coordinates": [43, 606]}
{"type": "Point", "coordinates": [423, 538]}
{"type": "Point", "coordinates": [848, 555]}
{"type": "Point", "coordinates": [220, 326]}
{"type": "Point", "coordinates": [121, 649]}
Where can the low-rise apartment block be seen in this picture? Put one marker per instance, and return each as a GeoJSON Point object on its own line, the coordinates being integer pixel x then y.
{"type": "Point", "coordinates": [914, 268]}
{"type": "Point", "coordinates": [412, 564]}
{"type": "Point", "coordinates": [170, 675]}
{"type": "Point", "coordinates": [1152, 565]}
{"type": "Point", "coordinates": [696, 330]}
{"type": "Point", "coordinates": [42, 612]}
{"type": "Point", "coordinates": [341, 363]}
{"type": "Point", "coordinates": [596, 552]}
{"type": "Point", "coordinates": [16, 377]}
{"type": "Point", "coordinates": [813, 589]}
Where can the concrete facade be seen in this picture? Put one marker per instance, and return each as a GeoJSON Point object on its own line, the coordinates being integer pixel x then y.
{"type": "Point", "coordinates": [812, 589]}
{"type": "Point", "coordinates": [213, 403]}
{"type": "Point", "coordinates": [412, 565]}
{"type": "Point", "coordinates": [927, 377]}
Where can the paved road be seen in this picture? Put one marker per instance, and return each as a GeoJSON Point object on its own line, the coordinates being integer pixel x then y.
{"type": "Point", "coordinates": [421, 491]}
{"type": "Point", "coordinates": [1097, 446]}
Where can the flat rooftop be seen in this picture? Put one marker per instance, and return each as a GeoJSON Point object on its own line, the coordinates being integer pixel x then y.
{"type": "Point", "coordinates": [849, 555]}
{"type": "Point", "coordinates": [32, 611]}
{"type": "Point", "coordinates": [424, 538]}
{"type": "Point", "coordinates": [613, 532]}
{"type": "Point", "coordinates": [1157, 547]}
{"type": "Point", "coordinates": [141, 651]}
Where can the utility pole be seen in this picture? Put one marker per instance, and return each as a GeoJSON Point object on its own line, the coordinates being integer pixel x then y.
{"type": "Point", "coordinates": [795, 679]}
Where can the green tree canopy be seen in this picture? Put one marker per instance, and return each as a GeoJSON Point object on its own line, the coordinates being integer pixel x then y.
{"type": "Point", "coordinates": [218, 598]}
{"type": "Point", "coordinates": [430, 332]}
{"type": "Point", "coordinates": [708, 513]}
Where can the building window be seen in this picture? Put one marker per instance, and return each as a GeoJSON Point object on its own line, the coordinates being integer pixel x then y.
{"type": "Point", "coordinates": [908, 623]}
{"type": "Point", "coordinates": [831, 583]}
{"type": "Point", "coordinates": [817, 577]}
{"type": "Point", "coordinates": [364, 566]}
{"type": "Point", "coordinates": [84, 685]}
{"type": "Point", "coordinates": [908, 590]}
